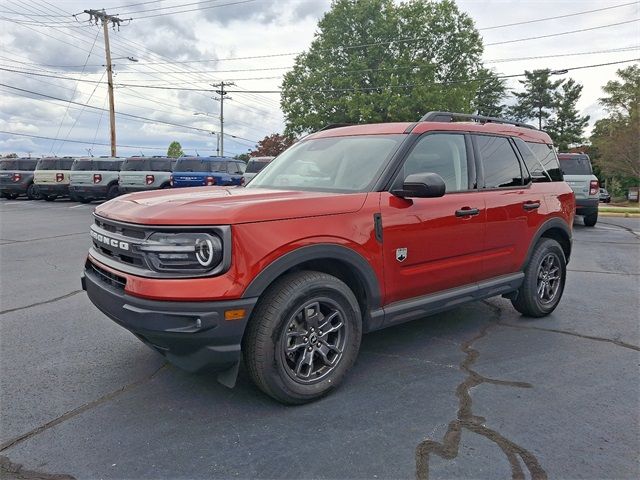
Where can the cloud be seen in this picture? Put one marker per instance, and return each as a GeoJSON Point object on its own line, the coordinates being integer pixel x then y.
{"type": "Point", "coordinates": [264, 11]}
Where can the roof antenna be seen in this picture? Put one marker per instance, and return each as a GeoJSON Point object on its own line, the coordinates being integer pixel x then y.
{"type": "Point", "coordinates": [89, 151]}
{"type": "Point", "coordinates": [197, 154]}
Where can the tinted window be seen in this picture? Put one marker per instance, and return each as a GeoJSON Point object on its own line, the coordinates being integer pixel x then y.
{"type": "Point", "coordinates": [235, 168]}
{"type": "Point", "coordinates": [539, 157]}
{"type": "Point", "coordinates": [160, 165]}
{"type": "Point", "coordinates": [575, 165]}
{"type": "Point", "coordinates": [27, 164]}
{"type": "Point", "coordinates": [135, 164]}
{"type": "Point", "coordinates": [444, 154]}
{"type": "Point", "coordinates": [9, 164]}
{"type": "Point", "coordinates": [254, 166]}
{"type": "Point", "coordinates": [191, 165]}
{"type": "Point", "coordinates": [501, 166]}
{"type": "Point", "coordinates": [83, 165]}
{"type": "Point", "coordinates": [47, 164]}
{"type": "Point", "coordinates": [66, 163]}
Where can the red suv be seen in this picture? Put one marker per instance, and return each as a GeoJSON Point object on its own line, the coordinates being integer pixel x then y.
{"type": "Point", "coordinates": [352, 229]}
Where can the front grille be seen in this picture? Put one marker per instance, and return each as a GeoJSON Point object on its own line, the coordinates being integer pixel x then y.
{"type": "Point", "coordinates": [123, 230]}
{"type": "Point", "coordinates": [105, 276]}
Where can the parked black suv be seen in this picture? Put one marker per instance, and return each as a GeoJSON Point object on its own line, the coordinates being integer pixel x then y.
{"type": "Point", "coordinates": [16, 178]}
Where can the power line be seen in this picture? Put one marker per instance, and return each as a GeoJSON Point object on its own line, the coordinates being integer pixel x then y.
{"type": "Point", "coordinates": [169, 6]}
{"type": "Point", "coordinates": [193, 9]}
{"type": "Point", "coordinates": [73, 94]}
{"type": "Point", "coordinates": [78, 141]}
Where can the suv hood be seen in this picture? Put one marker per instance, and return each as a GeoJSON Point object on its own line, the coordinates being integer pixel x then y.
{"type": "Point", "coordinates": [225, 206]}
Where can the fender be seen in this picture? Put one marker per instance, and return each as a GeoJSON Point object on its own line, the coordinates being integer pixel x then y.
{"type": "Point", "coordinates": [317, 252]}
{"type": "Point", "coordinates": [555, 222]}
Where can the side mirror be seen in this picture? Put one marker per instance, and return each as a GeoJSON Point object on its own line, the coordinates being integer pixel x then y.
{"type": "Point", "coordinates": [421, 185]}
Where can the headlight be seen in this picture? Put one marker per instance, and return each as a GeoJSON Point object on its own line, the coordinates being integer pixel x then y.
{"type": "Point", "coordinates": [184, 252]}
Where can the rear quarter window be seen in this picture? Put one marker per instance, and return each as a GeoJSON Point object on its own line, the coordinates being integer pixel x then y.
{"type": "Point", "coordinates": [540, 158]}
{"type": "Point", "coordinates": [575, 165]}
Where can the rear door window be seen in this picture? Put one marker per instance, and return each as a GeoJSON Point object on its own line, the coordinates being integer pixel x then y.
{"type": "Point", "coordinates": [575, 165]}
{"type": "Point", "coordinates": [500, 164]}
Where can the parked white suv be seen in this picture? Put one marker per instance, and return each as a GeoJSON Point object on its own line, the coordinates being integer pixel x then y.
{"type": "Point", "coordinates": [578, 173]}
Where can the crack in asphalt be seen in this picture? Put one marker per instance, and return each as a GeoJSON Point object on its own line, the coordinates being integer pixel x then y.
{"type": "Point", "coordinates": [604, 272]}
{"type": "Point", "coordinates": [10, 470]}
{"type": "Point", "coordinates": [618, 343]}
{"type": "Point", "coordinates": [631, 231]}
{"type": "Point", "coordinates": [45, 238]}
{"type": "Point", "coordinates": [449, 447]}
{"type": "Point", "coordinates": [44, 302]}
{"type": "Point", "coordinates": [78, 410]}
{"type": "Point", "coordinates": [406, 357]}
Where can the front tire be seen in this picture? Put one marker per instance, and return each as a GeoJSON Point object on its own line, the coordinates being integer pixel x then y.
{"type": "Point", "coordinates": [591, 219]}
{"type": "Point", "coordinates": [544, 280]}
{"type": "Point", "coordinates": [303, 337]}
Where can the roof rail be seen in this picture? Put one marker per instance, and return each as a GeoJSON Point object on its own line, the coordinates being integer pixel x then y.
{"type": "Point", "coordinates": [334, 125]}
{"type": "Point", "coordinates": [450, 117]}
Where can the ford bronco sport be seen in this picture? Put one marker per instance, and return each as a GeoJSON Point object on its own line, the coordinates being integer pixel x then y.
{"type": "Point", "coordinates": [51, 177]}
{"type": "Point", "coordinates": [399, 221]}
{"type": "Point", "coordinates": [207, 171]}
{"type": "Point", "coordinates": [16, 178]}
{"type": "Point", "coordinates": [145, 173]}
{"type": "Point", "coordinates": [95, 178]}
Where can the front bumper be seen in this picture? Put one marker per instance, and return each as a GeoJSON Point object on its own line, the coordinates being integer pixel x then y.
{"type": "Point", "coordinates": [586, 206]}
{"type": "Point", "coordinates": [192, 335]}
{"type": "Point", "coordinates": [89, 191]}
{"type": "Point", "coordinates": [52, 189]}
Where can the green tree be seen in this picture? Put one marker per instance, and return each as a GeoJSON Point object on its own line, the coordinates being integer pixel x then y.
{"type": "Point", "coordinates": [538, 100]}
{"type": "Point", "coordinates": [242, 156]}
{"type": "Point", "coordinates": [11, 155]}
{"type": "Point", "coordinates": [175, 150]}
{"type": "Point", "coordinates": [352, 74]}
{"type": "Point", "coordinates": [490, 93]}
{"type": "Point", "coordinates": [623, 96]}
{"type": "Point", "coordinates": [616, 138]}
{"type": "Point", "coordinates": [567, 126]}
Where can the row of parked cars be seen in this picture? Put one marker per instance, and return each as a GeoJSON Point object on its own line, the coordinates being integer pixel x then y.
{"type": "Point", "coordinates": [94, 178]}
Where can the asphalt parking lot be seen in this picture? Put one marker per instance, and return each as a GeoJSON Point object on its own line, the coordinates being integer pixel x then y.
{"type": "Point", "coordinates": [477, 392]}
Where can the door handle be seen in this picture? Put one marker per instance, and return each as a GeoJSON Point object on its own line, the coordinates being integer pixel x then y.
{"type": "Point", "coordinates": [531, 205]}
{"type": "Point", "coordinates": [467, 212]}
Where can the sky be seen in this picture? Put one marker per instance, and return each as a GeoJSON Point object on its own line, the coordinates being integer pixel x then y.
{"type": "Point", "coordinates": [189, 44]}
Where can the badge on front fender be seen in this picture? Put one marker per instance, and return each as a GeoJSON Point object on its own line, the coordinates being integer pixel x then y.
{"type": "Point", "coordinates": [401, 254]}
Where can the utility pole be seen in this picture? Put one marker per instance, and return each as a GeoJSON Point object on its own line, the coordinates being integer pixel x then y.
{"type": "Point", "coordinates": [106, 20]}
{"type": "Point", "coordinates": [220, 86]}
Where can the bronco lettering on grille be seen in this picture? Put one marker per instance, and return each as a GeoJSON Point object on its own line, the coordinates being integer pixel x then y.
{"type": "Point", "coordinates": [109, 241]}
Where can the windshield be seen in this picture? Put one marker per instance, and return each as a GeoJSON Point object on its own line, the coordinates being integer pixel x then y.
{"type": "Point", "coordinates": [198, 165]}
{"type": "Point", "coordinates": [575, 165]}
{"type": "Point", "coordinates": [254, 166]}
{"type": "Point", "coordinates": [335, 164]}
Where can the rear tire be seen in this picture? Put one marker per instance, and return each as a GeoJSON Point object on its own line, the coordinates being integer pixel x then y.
{"type": "Point", "coordinates": [287, 353]}
{"type": "Point", "coordinates": [544, 280]}
{"type": "Point", "coordinates": [591, 219]}
{"type": "Point", "coordinates": [10, 196]}
{"type": "Point", "coordinates": [32, 192]}
{"type": "Point", "coordinates": [112, 192]}
{"type": "Point", "coordinates": [83, 199]}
